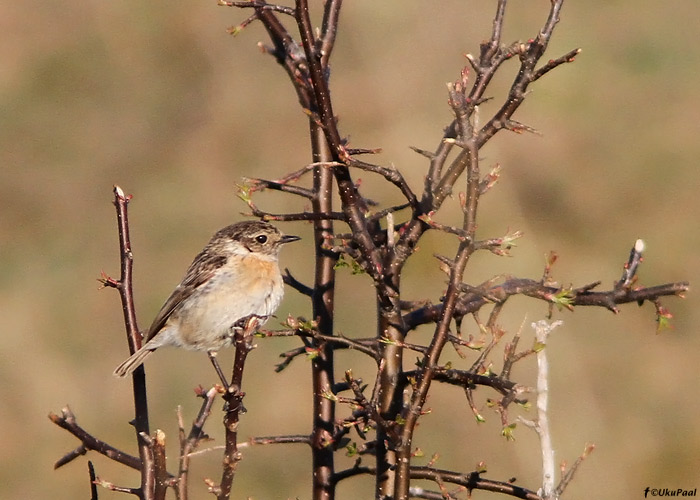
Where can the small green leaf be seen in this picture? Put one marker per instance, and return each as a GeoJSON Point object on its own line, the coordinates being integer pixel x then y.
{"type": "Point", "coordinates": [387, 341]}
{"type": "Point", "coordinates": [508, 432]}
{"type": "Point", "coordinates": [340, 263]}
{"type": "Point", "coordinates": [563, 299]}
{"type": "Point", "coordinates": [244, 192]}
{"type": "Point", "coordinates": [329, 395]}
{"type": "Point", "coordinates": [525, 405]}
{"type": "Point", "coordinates": [663, 324]}
{"type": "Point", "coordinates": [663, 319]}
{"type": "Point", "coordinates": [353, 265]}
{"type": "Point", "coordinates": [351, 449]}
{"type": "Point", "coordinates": [509, 239]}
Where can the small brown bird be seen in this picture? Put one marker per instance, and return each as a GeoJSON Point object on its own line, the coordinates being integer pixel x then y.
{"type": "Point", "coordinates": [234, 280]}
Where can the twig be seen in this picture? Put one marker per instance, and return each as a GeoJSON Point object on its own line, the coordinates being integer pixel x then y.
{"type": "Point", "coordinates": [93, 484]}
{"type": "Point", "coordinates": [190, 442]}
{"type": "Point", "coordinates": [159, 465]}
{"type": "Point", "coordinates": [140, 422]}
{"type": "Point", "coordinates": [390, 174]}
{"type": "Point", "coordinates": [329, 30]}
{"type": "Point", "coordinates": [630, 270]}
{"type": "Point", "coordinates": [134, 338]}
{"type": "Point", "coordinates": [68, 422]}
{"type": "Point", "coordinates": [290, 217]}
{"type": "Point", "coordinates": [289, 439]}
{"type": "Point", "coordinates": [296, 284]}
{"type": "Point", "coordinates": [568, 476]}
{"type": "Point", "coordinates": [262, 184]}
{"type": "Point", "coordinates": [464, 378]}
{"type": "Point", "coordinates": [289, 357]}
{"type": "Point", "coordinates": [259, 4]}
{"type": "Point", "coordinates": [470, 480]}
{"type": "Point", "coordinates": [535, 289]}
{"type": "Point", "coordinates": [553, 63]}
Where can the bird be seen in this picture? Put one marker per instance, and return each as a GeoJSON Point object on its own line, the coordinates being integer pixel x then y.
{"type": "Point", "coordinates": [233, 285]}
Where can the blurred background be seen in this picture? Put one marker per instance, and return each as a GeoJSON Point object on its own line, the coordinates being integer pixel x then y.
{"type": "Point", "coordinates": [158, 98]}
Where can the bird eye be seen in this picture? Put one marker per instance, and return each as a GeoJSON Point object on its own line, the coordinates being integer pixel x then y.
{"type": "Point", "coordinates": [261, 238]}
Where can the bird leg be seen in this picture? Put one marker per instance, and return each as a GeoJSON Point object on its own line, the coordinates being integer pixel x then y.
{"type": "Point", "coordinates": [219, 372]}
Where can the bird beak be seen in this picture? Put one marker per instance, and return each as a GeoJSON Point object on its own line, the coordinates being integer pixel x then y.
{"type": "Point", "coordinates": [288, 238]}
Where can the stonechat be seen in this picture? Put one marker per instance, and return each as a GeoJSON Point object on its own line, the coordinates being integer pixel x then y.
{"type": "Point", "coordinates": [232, 285]}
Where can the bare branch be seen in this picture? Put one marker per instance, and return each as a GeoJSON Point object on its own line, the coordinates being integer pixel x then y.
{"type": "Point", "coordinates": [553, 63]}
{"type": "Point", "coordinates": [576, 297]}
{"type": "Point", "coordinates": [569, 475]}
{"type": "Point", "coordinates": [259, 5]}
{"type": "Point", "coordinates": [390, 174]}
{"type": "Point", "coordinates": [68, 422]}
{"type": "Point", "coordinates": [189, 443]}
{"type": "Point", "coordinates": [234, 407]}
{"type": "Point", "coordinates": [296, 284]}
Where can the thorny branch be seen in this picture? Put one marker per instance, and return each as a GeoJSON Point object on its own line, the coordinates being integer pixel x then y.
{"type": "Point", "coordinates": [568, 298]}
{"type": "Point", "coordinates": [382, 254]}
{"type": "Point", "coordinates": [149, 470]}
{"type": "Point", "coordinates": [151, 464]}
{"type": "Point", "coordinates": [68, 422]}
{"type": "Point", "coordinates": [395, 400]}
{"type": "Point", "coordinates": [190, 442]}
{"type": "Point", "coordinates": [233, 396]}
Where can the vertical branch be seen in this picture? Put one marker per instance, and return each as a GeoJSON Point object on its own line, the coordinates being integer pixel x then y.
{"type": "Point", "coordinates": [323, 299]}
{"type": "Point", "coordinates": [542, 330]}
{"type": "Point", "coordinates": [354, 206]}
{"type": "Point", "coordinates": [388, 397]}
{"type": "Point", "coordinates": [234, 406]}
{"type": "Point", "coordinates": [430, 360]}
{"type": "Point", "coordinates": [93, 483]}
{"type": "Point", "coordinates": [319, 81]}
{"type": "Point", "coordinates": [541, 425]}
{"type": "Point", "coordinates": [472, 195]}
{"type": "Point", "coordinates": [190, 442]}
{"type": "Point", "coordinates": [159, 465]}
{"type": "Point", "coordinates": [323, 311]}
{"type": "Point", "coordinates": [329, 29]}
{"type": "Point", "coordinates": [124, 286]}
{"type": "Point", "coordinates": [385, 277]}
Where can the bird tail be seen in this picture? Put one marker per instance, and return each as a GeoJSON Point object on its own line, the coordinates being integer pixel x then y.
{"type": "Point", "coordinates": [134, 361]}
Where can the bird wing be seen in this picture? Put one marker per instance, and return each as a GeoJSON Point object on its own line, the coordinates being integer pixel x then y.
{"type": "Point", "coordinates": [200, 271]}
